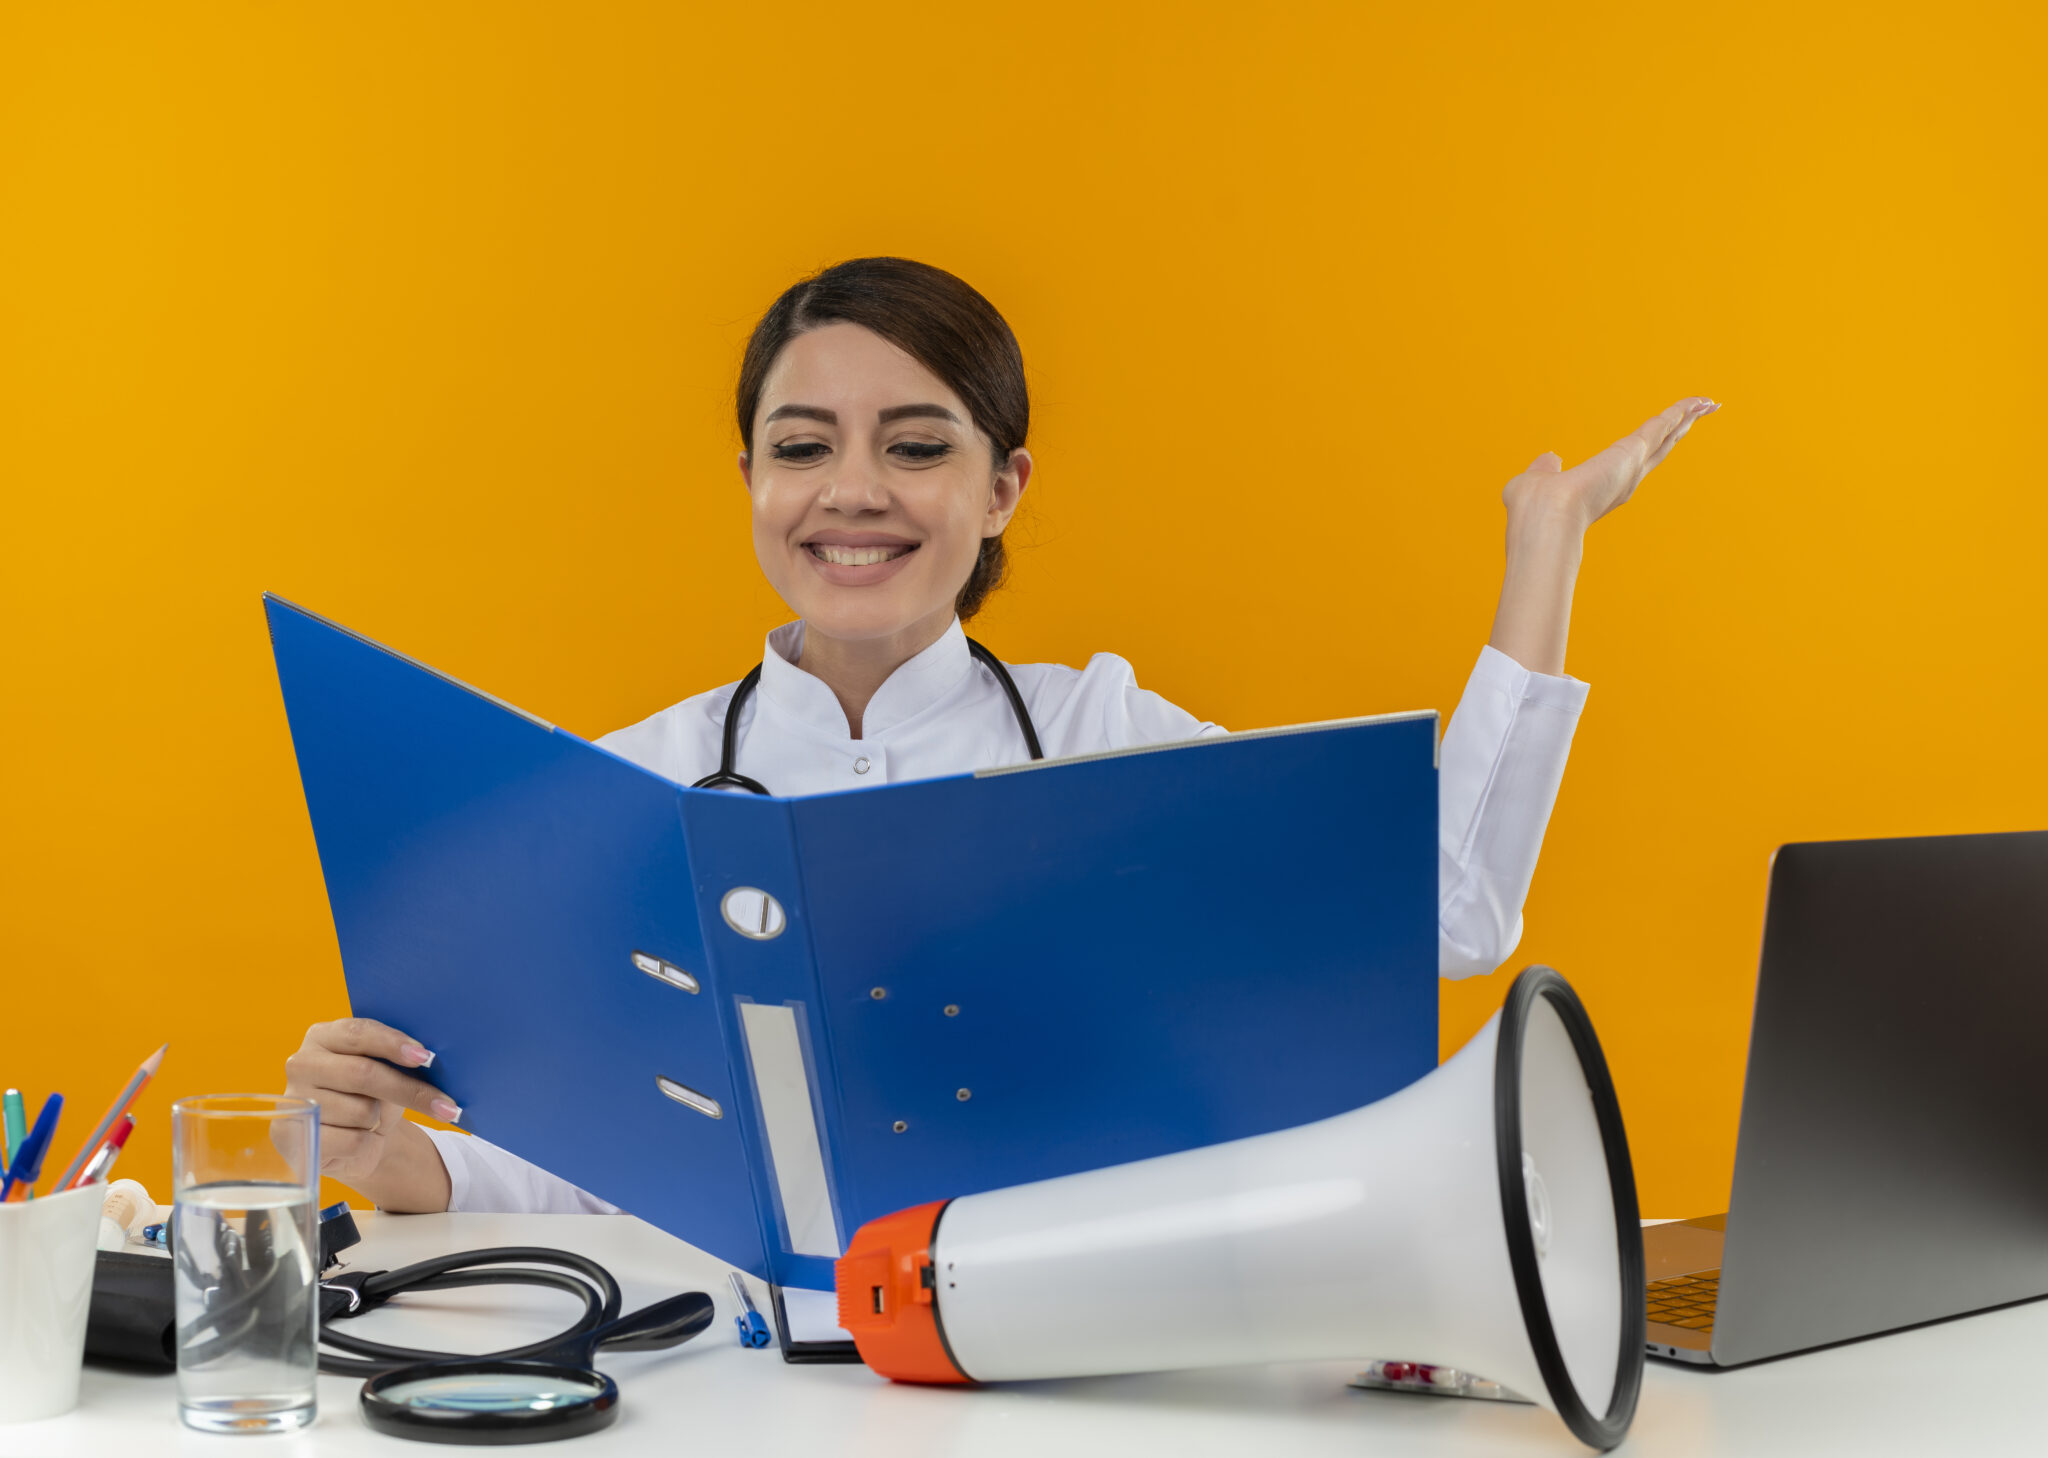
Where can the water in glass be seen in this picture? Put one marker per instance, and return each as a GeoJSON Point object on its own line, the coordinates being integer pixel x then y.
{"type": "Point", "coordinates": [247, 1257]}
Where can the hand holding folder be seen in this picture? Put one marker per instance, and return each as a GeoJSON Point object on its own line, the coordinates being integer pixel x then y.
{"type": "Point", "coordinates": [364, 1076]}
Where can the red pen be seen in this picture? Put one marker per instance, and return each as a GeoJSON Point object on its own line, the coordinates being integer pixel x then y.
{"type": "Point", "coordinates": [103, 1158]}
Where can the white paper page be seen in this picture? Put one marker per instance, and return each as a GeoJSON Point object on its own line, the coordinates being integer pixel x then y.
{"type": "Point", "coordinates": [813, 1316]}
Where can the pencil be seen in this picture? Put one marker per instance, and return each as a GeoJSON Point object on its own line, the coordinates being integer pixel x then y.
{"type": "Point", "coordinates": [122, 1103]}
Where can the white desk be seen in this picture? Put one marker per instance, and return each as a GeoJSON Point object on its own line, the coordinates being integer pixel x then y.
{"type": "Point", "coordinates": [1962, 1387]}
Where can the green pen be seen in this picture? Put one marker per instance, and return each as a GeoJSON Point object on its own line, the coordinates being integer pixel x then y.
{"type": "Point", "coordinates": [16, 1121]}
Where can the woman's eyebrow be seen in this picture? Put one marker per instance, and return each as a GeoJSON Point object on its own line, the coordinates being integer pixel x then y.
{"type": "Point", "coordinates": [802, 412]}
{"type": "Point", "coordinates": [915, 412]}
{"type": "Point", "coordinates": [882, 417]}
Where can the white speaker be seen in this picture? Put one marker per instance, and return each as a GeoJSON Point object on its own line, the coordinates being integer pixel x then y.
{"type": "Point", "coordinates": [1482, 1218]}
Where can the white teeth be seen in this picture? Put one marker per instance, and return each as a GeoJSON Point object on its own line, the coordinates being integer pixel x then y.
{"type": "Point", "coordinates": [856, 556]}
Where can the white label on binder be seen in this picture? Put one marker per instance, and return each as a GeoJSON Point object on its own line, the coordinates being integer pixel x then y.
{"type": "Point", "coordinates": [782, 1087]}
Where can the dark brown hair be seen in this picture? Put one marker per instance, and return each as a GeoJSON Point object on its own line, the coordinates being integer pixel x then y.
{"type": "Point", "coordinates": [936, 319]}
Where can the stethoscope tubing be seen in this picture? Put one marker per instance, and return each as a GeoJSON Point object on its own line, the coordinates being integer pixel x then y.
{"type": "Point", "coordinates": [728, 777]}
{"type": "Point", "coordinates": [594, 1284]}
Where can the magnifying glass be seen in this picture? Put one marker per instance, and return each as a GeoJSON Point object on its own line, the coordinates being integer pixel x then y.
{"type": "Point", "coordinates": [557, 1393]}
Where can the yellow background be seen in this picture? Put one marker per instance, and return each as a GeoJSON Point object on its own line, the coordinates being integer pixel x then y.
{"type": "Point", "coordinates": [426, 316]}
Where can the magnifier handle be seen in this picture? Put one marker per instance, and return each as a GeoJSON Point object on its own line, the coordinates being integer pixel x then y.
{"type": "Point", "coordinates": [664, 1324]}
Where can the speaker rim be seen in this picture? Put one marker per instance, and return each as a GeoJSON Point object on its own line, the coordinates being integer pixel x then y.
{"type": "Point", "coordinates": [1605, 1431]}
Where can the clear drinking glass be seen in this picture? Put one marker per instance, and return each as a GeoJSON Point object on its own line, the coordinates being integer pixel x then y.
{"type": "Point", "coordinates": [245, 1174]}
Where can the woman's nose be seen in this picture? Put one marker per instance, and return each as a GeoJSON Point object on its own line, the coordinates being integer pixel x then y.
{"type": "Point", "coordinates": [854, 487]}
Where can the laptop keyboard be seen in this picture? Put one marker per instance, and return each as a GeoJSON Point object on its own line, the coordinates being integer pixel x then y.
{"type": "Point", "coordinates": [1686, 1301]}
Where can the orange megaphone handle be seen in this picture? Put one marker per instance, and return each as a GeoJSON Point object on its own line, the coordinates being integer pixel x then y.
{"type": "Point", "coordinates": [888, 1297]}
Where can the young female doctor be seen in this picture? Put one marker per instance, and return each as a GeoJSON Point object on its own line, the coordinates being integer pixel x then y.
{"type": "Point", "coordinates": [883, 413]}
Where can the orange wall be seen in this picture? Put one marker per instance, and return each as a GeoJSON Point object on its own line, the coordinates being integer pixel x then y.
{"type": "Point", "coordinates": [426, 316]}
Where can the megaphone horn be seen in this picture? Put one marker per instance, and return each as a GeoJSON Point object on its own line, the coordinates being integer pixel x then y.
{"type": "Point", "coordinates": [1482, 1218]}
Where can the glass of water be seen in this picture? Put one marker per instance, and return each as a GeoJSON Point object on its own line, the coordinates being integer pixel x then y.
{"type": "Point", "coordinates": [245, 1174]}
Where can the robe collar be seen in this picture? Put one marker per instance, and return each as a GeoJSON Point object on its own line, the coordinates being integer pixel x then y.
{"type": "Point", "coordinates": [915, 686]}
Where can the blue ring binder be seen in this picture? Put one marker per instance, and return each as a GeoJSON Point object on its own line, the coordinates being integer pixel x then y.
{"type": "Point", "coordinates": [1120, 955]}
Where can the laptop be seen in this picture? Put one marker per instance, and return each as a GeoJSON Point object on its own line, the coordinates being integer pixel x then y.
{"type": "Point", "coordinates": [1891, 1167]}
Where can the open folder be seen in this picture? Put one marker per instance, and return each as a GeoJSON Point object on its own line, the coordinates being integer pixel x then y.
{"type": "Point", "coordinates": [760, 1022]}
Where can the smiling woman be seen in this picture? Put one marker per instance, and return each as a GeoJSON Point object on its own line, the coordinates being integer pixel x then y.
{"type": "Point", "coordinates": [889, 321]}
{"type": "Point", "coordinates": [882, 415]}
{"type": "Point", "coordinates": [878, 515]}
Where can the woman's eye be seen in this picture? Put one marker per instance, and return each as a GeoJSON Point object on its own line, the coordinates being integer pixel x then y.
{"type": "Point", "coordinates": [803, 450]}
{"type": "Point", "coordinates": [919, 450]}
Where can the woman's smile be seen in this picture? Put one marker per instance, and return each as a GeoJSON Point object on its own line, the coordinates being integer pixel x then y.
{"type": "Point", "coordinates": [857, 556]}
{"type": "Point", "coordinates": [857, 559]}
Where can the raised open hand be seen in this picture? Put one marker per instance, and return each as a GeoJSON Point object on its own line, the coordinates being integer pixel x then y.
{"type": "Point", "coordinates": [1549, 509]}
{"type": "Point", "coordinates": [1598, 484]}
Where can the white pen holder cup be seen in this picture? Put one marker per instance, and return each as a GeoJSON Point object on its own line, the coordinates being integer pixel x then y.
{"type": "Point", "coordinates": [47, 1247]}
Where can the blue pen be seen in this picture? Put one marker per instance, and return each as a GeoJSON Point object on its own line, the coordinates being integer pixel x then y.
{"type": "Point", "coordinates": [753, 1330]}
{"type": "Point", "coordinates": [28, 1159]}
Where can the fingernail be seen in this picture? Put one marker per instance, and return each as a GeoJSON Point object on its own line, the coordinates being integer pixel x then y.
{"type": "Point", "coordinates": [417, 1056]}
{"type": "Point", "coordinates": [446, 1112]}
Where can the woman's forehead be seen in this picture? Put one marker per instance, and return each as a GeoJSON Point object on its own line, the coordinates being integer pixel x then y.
{"type": "Point", "coordinates": [852, 370]}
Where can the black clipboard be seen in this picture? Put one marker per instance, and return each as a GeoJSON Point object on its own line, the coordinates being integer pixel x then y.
{"type": "Point", "coordinates": [802, 1352]}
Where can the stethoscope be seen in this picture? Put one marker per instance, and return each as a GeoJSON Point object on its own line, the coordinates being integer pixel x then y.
{"type": "Point", "coordinates": [534, 1393]}
{"type": "Point", "coordinates": [727, 777]}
